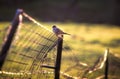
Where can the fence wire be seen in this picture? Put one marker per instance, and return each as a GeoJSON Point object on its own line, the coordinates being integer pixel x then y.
{"type": "Point", "coordinates": [32, 47]}
{"type": "Point", "coordinates": [76, 65]}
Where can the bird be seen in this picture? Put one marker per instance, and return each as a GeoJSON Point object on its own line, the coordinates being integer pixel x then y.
{"type": "Point", "coordinates": [58, 32]}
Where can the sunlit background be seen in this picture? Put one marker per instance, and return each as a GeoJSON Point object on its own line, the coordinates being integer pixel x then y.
{"type": "Point", "coordinates": [94, 25]}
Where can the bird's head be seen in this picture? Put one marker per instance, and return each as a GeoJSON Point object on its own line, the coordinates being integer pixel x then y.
{"type": "Point", "coordinates": [54, 26]}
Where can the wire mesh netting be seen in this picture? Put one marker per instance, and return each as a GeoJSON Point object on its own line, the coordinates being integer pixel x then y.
{"type": "Point", "coordinates": [32, 47]}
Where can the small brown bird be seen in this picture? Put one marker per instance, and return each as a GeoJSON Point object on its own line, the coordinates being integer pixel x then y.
{"type": "Point", "coordinates": [58, 31]}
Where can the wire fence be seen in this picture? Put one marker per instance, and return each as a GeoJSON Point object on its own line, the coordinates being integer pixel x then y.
{"type": "Point", "coordinates": [31, 47]}
{"type": "Point", "coordinates": [32, 55]}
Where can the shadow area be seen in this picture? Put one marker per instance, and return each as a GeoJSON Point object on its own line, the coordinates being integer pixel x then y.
{"type": "Point", "coordinates": [81, 11]}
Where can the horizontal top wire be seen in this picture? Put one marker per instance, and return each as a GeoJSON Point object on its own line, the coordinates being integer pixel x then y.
{"type": "Point", "coordinates": [34, 21]}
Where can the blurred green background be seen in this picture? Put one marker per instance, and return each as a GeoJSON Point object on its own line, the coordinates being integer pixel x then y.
{"type": "Point", "coordinates": [94, 25]}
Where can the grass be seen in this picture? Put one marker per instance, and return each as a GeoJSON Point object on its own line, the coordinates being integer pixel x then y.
{"type": "Point", "coordinates": [91, 36]}
{"type": "Point", "coordinates": [87, 43]}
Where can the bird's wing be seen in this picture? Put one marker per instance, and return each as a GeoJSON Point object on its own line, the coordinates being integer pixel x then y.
{"type": "Point", "coordinates": [60, 31]}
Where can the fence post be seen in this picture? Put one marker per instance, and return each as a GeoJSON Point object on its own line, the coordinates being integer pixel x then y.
{"type": "Point", "coordinates": [58, 59]}
{"type": "Point", "coordinates": [107, 64]}
{"type": "Point", "coordinates": [13, 28]}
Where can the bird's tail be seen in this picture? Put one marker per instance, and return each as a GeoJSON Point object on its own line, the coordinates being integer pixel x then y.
{"type": "Point", "coordinates": [67, 33]}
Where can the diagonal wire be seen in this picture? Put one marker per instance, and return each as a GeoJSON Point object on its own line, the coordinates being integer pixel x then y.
{"type": "Point", "coordinates": [34, 21]}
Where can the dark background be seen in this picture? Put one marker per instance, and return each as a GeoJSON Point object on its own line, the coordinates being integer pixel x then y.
{"type": "Point", "coordinates": [82, 11]}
